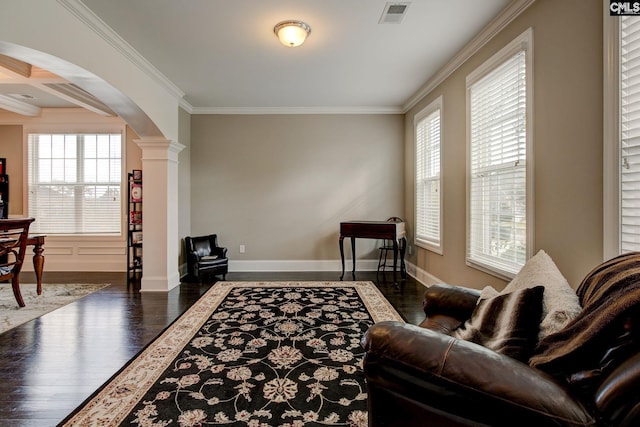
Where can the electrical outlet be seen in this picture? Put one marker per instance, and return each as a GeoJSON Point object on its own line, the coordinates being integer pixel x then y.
{"type": "Point", "coordinates": [241, 249]}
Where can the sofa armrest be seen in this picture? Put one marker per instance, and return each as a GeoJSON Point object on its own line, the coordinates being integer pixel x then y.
{"type": "Point", "coordinates": [463, 378]}
{"type": "Point", "coordinates": [448, 306]}
{"type": "Point", "coordinates": [220, 251]}
{"type": "Point", "coordinates": [456, 301]}
{"type": "Point", "coordinates": [612, 398]}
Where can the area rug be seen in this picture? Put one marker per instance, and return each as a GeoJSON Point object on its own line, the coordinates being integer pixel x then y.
{"type": "Point", "coordinates": [250, 354]}
{"type": "Point", "coordinates": [53, 297]}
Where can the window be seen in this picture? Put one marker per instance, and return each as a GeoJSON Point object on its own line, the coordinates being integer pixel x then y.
{"type": "Point", "coordinates": [74, 183]}
{"type": "Point", "coordinates": [499, 221]}
{"type": "Point", "coordinates": [621, 198]}
{"type": "Point", "coordinates": [629, 134]}
{"type": "Point", "coordinates": [428, 182]}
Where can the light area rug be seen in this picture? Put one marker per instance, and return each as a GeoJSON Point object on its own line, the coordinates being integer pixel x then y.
{"type": "Point", "coordinates": [250, 354]}
{"type": "Point", "coordinates": [53, 297]}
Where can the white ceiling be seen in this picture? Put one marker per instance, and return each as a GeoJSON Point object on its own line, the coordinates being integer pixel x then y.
{"type": "Point", "coordinates": [224, 56]}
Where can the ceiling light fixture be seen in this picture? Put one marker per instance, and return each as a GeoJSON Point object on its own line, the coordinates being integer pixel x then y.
{"type": "Point", "coordinates": [292, 33]}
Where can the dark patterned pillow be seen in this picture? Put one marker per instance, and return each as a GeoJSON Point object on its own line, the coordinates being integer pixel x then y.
{"type": "Point", "coordinates": [507, 324]}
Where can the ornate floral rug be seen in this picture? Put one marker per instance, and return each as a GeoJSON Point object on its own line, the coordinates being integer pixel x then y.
{"type": "Point", "coordinates": [54, 296]}
{"type": "Point", "coordinates": [251, 354]}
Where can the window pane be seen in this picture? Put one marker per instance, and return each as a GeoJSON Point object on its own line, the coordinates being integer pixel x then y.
{"type": "Point", "coordinates": [44, 146]}
{"type": "Point", "coordinates": [90, 149]}
{"type": "Point", "coordinates": [103, 147]}
{"type": "Point", "coordinates": [90, 168]}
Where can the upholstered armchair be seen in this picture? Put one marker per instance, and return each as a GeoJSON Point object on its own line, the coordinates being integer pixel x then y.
{"type": "Point", "coordinates": [13, 244]}
{"type": "Point", "coordinates": [586, 372]}
{"type": "Point", "coordinates": [205, 257]}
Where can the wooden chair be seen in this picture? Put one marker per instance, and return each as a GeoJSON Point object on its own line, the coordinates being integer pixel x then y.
{"type": "Point", "coordinates": [387, 246]}
{"type": "Point", "coordinates": [13, 244]}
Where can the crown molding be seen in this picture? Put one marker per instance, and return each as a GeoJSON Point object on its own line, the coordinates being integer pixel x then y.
{"type": "Point", "coordinates": [508, 14]}
{"type": "Point", "coordinates": [91, 20]}
{"type": "Point", "coordinates": [297, 110]}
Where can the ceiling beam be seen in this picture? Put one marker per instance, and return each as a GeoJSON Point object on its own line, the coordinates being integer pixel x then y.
{"type": "Point", "coordinates": [78, 96]}
{"type": "Point", "coordinates": [11, 104]}
{"type": "Point", "coordinates": [15, 66]}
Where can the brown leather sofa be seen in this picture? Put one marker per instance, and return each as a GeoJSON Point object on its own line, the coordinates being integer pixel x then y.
{"type": "Point", "coordinates": [422, 376]}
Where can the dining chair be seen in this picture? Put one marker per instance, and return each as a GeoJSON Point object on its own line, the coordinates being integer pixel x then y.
{"type": "Point", "coordinates": [13, 244]}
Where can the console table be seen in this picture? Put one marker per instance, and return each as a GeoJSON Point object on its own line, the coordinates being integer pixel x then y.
{"type": "Point", "coordinates": [394, 231]}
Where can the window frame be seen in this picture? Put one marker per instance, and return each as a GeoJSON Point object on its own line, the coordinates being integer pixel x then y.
{"type": "Point", "coordinates": [424, 241]}
{"type": "Point", "coordinates": [612, 137]}
{"type": "Point", "coordinates": [522, 43]}
{"type": "Point", "coordinates": [81, 128]}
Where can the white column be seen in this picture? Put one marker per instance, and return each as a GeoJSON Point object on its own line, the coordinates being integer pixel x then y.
{"type": "Point", "coordinates": [161, 244]}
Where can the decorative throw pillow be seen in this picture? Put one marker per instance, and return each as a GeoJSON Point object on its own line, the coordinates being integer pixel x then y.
{"type": "Point", "coordinates": [560, 303]}
{"type": "Point", "coordinates": [488, 292]}
{"type": "Point", "coordinates": [506, 324]}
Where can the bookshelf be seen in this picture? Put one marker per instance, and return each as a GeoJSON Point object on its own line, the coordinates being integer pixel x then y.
{"type": "Point", "coordinates": [134, 218]}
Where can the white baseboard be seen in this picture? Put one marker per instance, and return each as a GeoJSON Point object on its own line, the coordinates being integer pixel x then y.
{"type": "Point", "coordinates": [422, 276]}
{"type": "Point", "coordinates": [159, 284]}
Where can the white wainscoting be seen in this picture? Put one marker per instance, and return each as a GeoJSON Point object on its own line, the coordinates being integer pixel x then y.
{"type": "Point", "coordinates": [63, 254]}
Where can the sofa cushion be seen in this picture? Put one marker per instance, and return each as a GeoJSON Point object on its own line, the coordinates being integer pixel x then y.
{"type": "Point", "coordinates": [506, 323]}
{"type": "Point", "coordinates": [560, 302]}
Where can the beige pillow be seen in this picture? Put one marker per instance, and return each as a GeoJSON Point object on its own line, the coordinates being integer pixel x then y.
{"type": "Point", "coordinates": [560, 302]}
{"type": "Point", "coordinates": [488, 292]}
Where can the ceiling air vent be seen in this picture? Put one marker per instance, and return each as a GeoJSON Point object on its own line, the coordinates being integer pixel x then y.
{"type": "Point", "coordinates": [394, 12]}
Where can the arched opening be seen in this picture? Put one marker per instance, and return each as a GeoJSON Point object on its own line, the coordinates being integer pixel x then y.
{"type": "Point", "coordinates": [62, 79]}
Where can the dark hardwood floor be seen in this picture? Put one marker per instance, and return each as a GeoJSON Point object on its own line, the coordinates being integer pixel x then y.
{"type": "Point", "coordinates": [50, 365]}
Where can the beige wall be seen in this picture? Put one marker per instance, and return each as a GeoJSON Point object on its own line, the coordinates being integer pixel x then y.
{"type": "Point", "coordinates": [11, 149]}
{"type": "Point", "coordinates": [281, 184]}
{"type": "Point", "coordinates": [567, 143]}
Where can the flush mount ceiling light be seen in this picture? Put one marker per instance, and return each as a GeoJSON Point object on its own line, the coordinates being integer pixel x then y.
{"type": "Point", "coordinates": [292, 33]}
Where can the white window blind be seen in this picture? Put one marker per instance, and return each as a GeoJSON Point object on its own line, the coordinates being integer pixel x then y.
{"type": "Point", "coordinates": [428, 192]}
{"type": "Point", "coordinates": [629, 133]}
{"type": "Point", "coordinates": [497, 100]}
{"type": "Point", "coordinates": [74, 183]}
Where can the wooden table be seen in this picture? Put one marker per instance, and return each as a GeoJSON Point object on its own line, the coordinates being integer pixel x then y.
{"type": "Point", "coordinates": [394, 231]}
{"type": "Point", "coordinates": [37, 241]}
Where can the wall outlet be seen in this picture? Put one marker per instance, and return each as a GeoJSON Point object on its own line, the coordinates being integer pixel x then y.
{"type": "Point", "coordinates": [241, 249]}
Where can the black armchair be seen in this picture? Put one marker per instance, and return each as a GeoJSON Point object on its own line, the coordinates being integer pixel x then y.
{"type": "Point", "coordinates": [205, 257]}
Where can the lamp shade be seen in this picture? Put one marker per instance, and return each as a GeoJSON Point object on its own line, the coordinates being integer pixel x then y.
{"type": "Point", "coordinates": [292, 33]}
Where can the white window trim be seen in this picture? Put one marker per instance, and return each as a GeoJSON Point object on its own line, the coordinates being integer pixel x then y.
{"type": "Point", "coordinates": [523, 41]}
{"type": "Point", "coordinates": [611, 135]}
{"type": "Point", "coordinates": [435, 105]}
{"type": "Point", "coordinates": [77, 120]}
